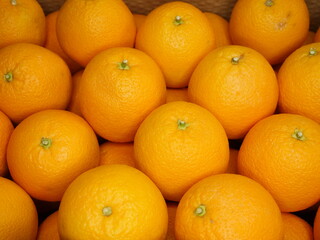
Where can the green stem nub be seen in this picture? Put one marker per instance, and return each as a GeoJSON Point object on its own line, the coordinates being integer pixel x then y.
{"type": "Point", "coordinates": [313, 52]}
{"type": "Point", "coordinates": [124, 65]}
{"type": "Point", "coordinates": [177, 20]}
{"type": "Point", "coordinates": [8, 77]}
{"type": "Point", "coordinates": [45, 143]}
{"type": "Point", "coordinates": [13, 2]}
{"type": "Point", "coordinates": [269, 3]}
{"type": "Point", "coordinates": [200, 210]}
{"type": "Point", "coordinates": [182, 125]}
{"type": "Point", "coordinates": [298, 134]}
{"type": "Point", "coordinates": [235, 60]}
{"type": "Point", "coordinates": [107, 211]}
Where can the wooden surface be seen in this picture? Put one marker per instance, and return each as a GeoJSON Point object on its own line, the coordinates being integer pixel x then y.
{"type": "Point", "coordinates": [221, 7]}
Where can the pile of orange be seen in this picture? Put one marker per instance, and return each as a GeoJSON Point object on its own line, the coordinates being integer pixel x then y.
{"type": "Point", "coordinates": [176, 123]}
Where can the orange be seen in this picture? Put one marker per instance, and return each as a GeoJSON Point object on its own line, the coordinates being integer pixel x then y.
{"type": "Point", "coordinates": [6, 128]}
{"type": "Point", "coordinates": [228, 206]}
{"type": "Point", "coordinates": [85, 28]}
{"type": "Point", "coordinates": [233, 158]}
{"type": "Point", "coordinates": [220, 28]}
{"type": "Point", "coordinates": [48, 150]}
{"type": "Point", "coordinates": [48, 229]}
{"type": "Point", "coordinates": [113, 202]}
{"type": "Point", "coordinates": [118, 89]}
{"type": "Point", "coordinates": [275, 28]}
{"type": "Point", "coordinates": [33, 79]}
{"type": "Point", "coordinates": [295, 228]}
{"type": "Point", "coordinates": [237, 85]}
{"type": "Point", "coordinates": [176, 35]}
{"type": "Point", "coordinates": [310, 38]}
{"type": "Point", "coordinates": [299, 82]}
{"type": "Point", "coordinates": [19, 218]}
{"type": "Point", "coordinates": [74, 104]}
{"type": "Point", "coordinates": [139, 19]}
{"type": "Point", "coordinates": [21, 21]}
{"type": "Point", "coordinates": [117, 153]}
{"type": "Point", "coordinates": [317, 36]}
{"type": "Point", "coordinates": [177, 94]}
{"type": "Point", "coordinates": [281, 152]}
{"type": "Point", "coordinates": [316, 225]}
{"type": "Point", "coordinates": [178, 144]}
{"type": "Point", "coordinates": [53, 44]}
{"type": "Point", "coordinates": [172, 209]}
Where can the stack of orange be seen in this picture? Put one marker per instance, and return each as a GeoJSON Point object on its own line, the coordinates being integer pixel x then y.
{"type": "Point", "coordinates": [173, 123]}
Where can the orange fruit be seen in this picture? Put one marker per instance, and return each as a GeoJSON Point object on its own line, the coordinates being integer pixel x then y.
{"type": "Point", "coordinates": [237, 85]}
{"type": "Point", "coordinates": [317, 36]}
{"type": "Point", "coordinates": [233, 158]}
{"type": "Point", "coordinates": [172, 209]}
{"type": "Point", "coordinates": [74, 104]}
{"type": "Point", "coordinates": [281, 152]}
{"type": "Point", "coordinates": [121, 86]}
{"type": "Point", "coordinates": [316, 225]}
{"type": "Point", "coordinates": [310, 38]}
{"type": "Point", "coordinates": [299, 81]}
{"type": "Point", "coordinates": [117, 153]}
{"type": "Point", "coordinates": [220, 28]}
{"type": "Point", "coordinates": [21, 21]}
{"type": "Point", "coordinates": [6, 128]}
{"type": "Point", "coordinates": [178, 144]}
{"type": "Point", "coordinates": [228, 206]}
{"type": "Point", "coordinates": [85, 28]}
{"type": "Point", "coordinates": [296, 228]}
{"type": "Point", "coordinates": [48, 229]}
{"type": "Point", "coordinates": [139, 19]}
{"type": "Point", "coordinates": [48, 150]}
{"type": "Point", "coordinates": [176, 35]}
{"type": "Point", "coordinates": [275, 28]}
{"type": "Point", "coordinates": [53, 44]}
{"type": "Point", "coordinates": [177, 94]}
{"type": "Point", "coordinates": [34, 79]}
{"type": "Point", "coordinates": [113, 202]}
{"type": "Point", "coordinates": [19, 215]}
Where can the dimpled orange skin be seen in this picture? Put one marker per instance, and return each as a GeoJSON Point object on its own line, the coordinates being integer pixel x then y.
{"type": "Point", "coordinates": [220, 27]}
{"type": "Point", "coordinates": [113, 202]}
{"type": "Point", "coordinates": [48, 229]}
{"type": "Point", "coordinates": [115, 99]}
{"type": "Point", "coordinates": [19, 218]}
{"type": "Point", "coordinates": [38, 79]}
{"type": "Point", "coordinates": [120, 153]}
{"type": "Point", "coordinates": [45, 169]}
{"type": "Point", "coordinates": [74, 104]}
{"type": "Point", "coordinates": [275, 28]}
{"type": "Point", "coordinates": [316, 225]}
{"type": "Point", "coordinates": [21, 21]}
{"type": "Point", "coordinates": [235, 207]}
{"type": "Point", "coordinates": [6, 128]}
{"type": "Point", "coordinates": [53, 44]}
{"type": "Point", "coordinates": [237, 85]}
{"type": "Point", "coordinates": [176, 154]}
{"type": "Point", "coordinates": [288, 149]}
{"type": "Point", "coordinates": [296, 228]}
{"type": "Point", "coordinates": [177, 48]}
{"type": "Point", "coordinates": [85, 28]}
{"type": "Point", "coordinates": [299, 82]}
